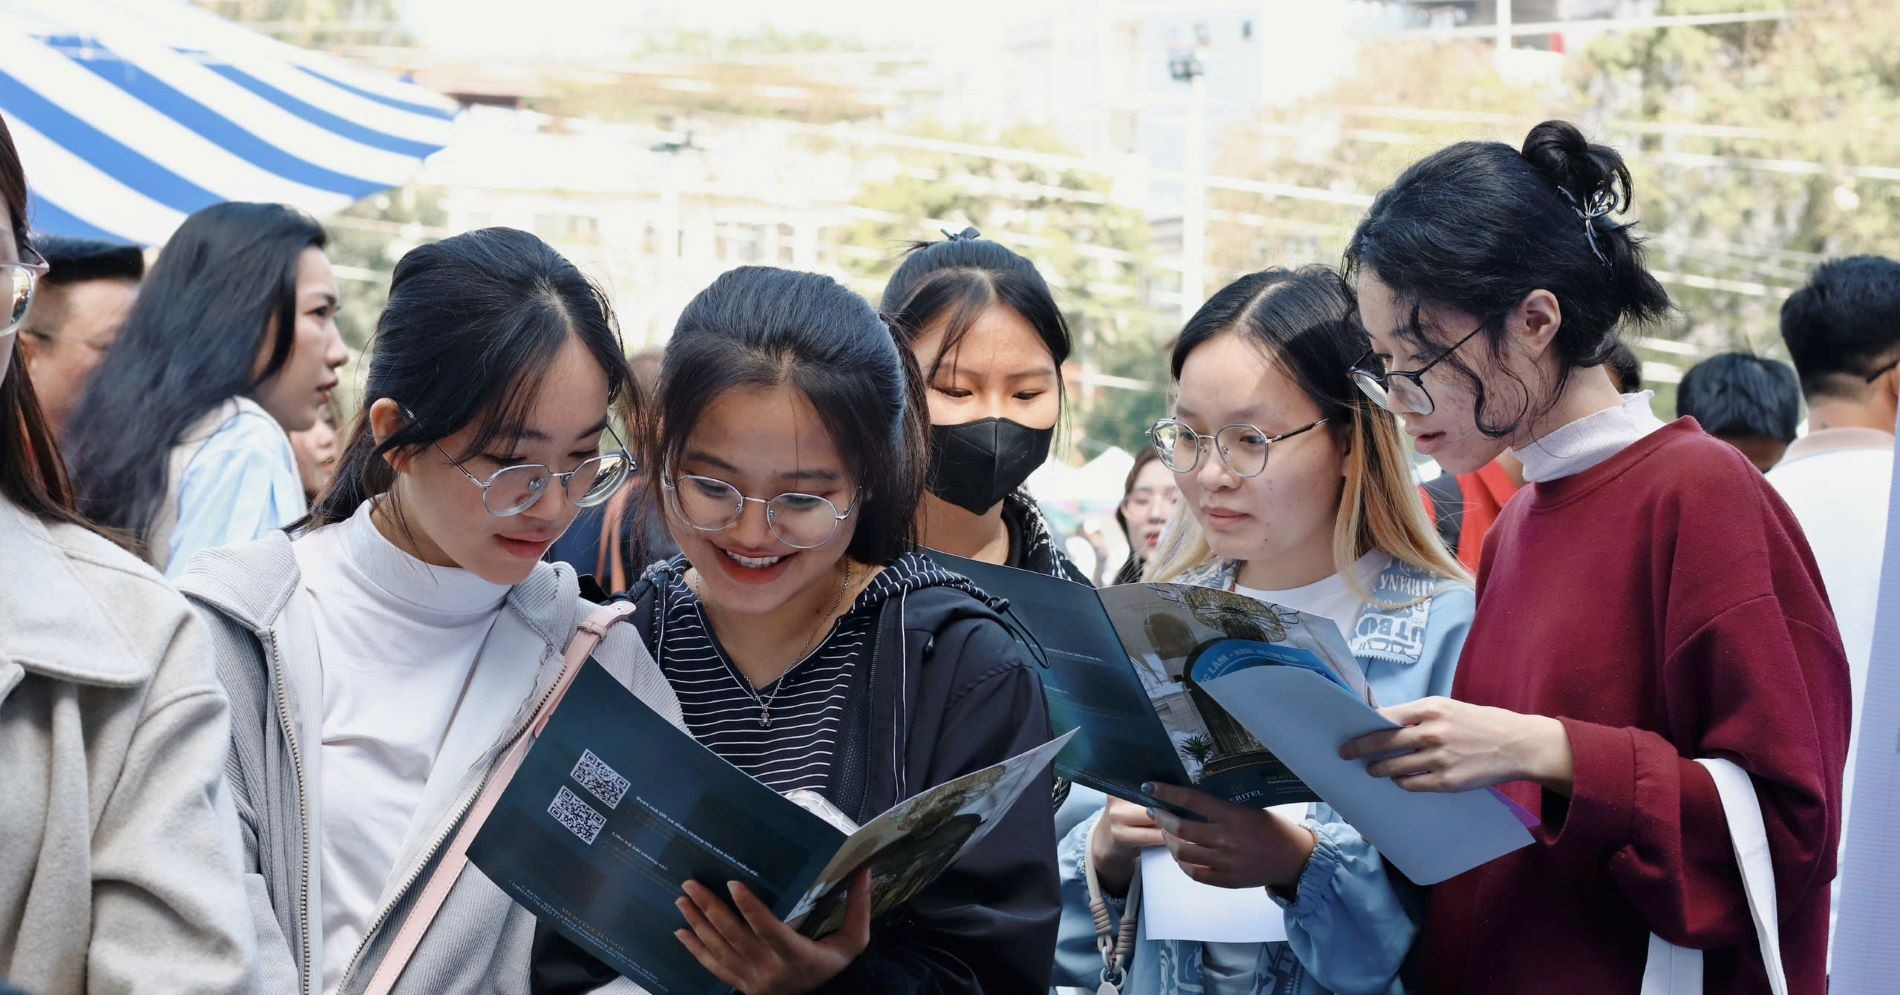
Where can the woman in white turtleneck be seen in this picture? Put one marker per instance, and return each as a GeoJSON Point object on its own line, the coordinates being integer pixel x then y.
{"type": "Point", "coordinates": [381, 660]}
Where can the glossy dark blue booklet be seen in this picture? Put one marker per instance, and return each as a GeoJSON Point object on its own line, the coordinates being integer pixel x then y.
{"type": "Point", "coordinates": [614, 808]}
{"type": "Point", "coordinates": [1123, 668]}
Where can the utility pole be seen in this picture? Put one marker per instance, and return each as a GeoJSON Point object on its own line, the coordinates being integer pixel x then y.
{"type": "Point", "coordinates": [1504, 26]}
{"type": "Point", "coordinates": [1185, 66]}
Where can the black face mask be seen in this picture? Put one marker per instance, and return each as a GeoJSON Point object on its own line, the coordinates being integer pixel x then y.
{"type": "Point", "coordinates": [976, 464]}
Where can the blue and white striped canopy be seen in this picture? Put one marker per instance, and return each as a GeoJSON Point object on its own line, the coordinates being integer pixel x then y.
{"type": "Point", "coordinates": [130, 115]}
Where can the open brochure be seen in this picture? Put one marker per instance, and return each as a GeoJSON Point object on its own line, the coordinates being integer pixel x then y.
{"type": "Point", "coordinates": [1246, 700]}
{"type": "Point", "coordinates": [614, 808]}
{"type": "Point", "coordinates": [1119, 665]}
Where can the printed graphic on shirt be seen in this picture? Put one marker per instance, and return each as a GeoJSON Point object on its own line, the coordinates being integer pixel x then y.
{"type": "Point", "coordinates": [1398, 634]}
{"type": "Point", "coordinates": [580, 818]}
{"type": "Point", "coordinates": [600, 780]}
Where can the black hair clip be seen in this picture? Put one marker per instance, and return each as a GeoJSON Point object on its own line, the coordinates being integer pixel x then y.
{"type": "Point", "coordinates": [1600, 205]}
{"type": "Point", "coordinates": [966, 235]}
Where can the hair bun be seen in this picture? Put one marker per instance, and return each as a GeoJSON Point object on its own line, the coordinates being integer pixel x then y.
{"type": "Point", "coordinates": [1593, 177]}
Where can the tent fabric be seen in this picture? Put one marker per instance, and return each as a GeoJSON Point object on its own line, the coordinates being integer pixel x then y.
{"type": "Point", "coordinates": [131, 115]}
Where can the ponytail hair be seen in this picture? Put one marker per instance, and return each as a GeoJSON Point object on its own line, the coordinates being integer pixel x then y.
{"type": "Point", "coordinates": [955, 281]}
{"type": "Point", "coordinates": [1478, 226]}
{"type": "Point", "coordinates": [472, 325]}
{"type": "Point", "coordinates": [1303, 321]}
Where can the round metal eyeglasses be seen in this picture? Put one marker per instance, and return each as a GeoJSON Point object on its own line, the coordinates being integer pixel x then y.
{"type": "Point", "coordinates": [1243, 448]}
{"type": "Point", "coordinates": [1400, 391]}
{"type": "Point", "coordinates": [801, 521]}
{"type": "Point", "coordinates": [512, 490]}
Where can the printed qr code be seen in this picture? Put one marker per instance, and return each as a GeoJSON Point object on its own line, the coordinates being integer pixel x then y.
{"type": "Point", "coordinates": [578, 816]}
{"type": "Point", "coordinates": [600, 780]}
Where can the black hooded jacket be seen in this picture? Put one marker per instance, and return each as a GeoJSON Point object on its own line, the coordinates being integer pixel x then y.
{"type": "Point", "coordinates": [944, 691]}
{"type": "Point", "coordinates": [1032, 546]}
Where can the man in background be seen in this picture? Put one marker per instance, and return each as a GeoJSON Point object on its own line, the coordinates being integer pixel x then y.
{"type": "Point", "coordinates": [1749, 402]}
{"type": "Point", "coordinates": [81, 303]}
{"type": "Point", "coordinates": [1843, 333]}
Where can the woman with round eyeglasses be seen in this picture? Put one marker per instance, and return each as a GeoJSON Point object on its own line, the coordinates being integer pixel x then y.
{"type": "Point", "coordinates": [1298, 493]}
{"type": "Point", "coordinates": [814, 647]}
{"type": "Point", "coordinates": [383, 656]}
{"type": "Point", "coordinates": [1646, 602]}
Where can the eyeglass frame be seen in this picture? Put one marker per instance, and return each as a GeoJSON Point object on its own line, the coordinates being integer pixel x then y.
{"type": "Point", "coordinates": [1200, 445]}
{"type": "Point", "coordinates": [671, 483]}
{"type": "Point", "coordinates": [1883, 371]}
{"type": "Point", "coordinates": [1417, 377]}
{"type": "Point", "coordinates": [564, 478]}
{"type": "Point", "coordinates": [34, 270]}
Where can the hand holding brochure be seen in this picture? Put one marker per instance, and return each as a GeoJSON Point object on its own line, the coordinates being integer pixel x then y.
{"type": "Point", "coordinates": [613, 809]}
{"type": "Point", "coordinates": [1431, 836]}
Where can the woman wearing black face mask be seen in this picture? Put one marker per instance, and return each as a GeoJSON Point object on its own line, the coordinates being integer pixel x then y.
{"type": "Point", "coordinates": [991, 343]}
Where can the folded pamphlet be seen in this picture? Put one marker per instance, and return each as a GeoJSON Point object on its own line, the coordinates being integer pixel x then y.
{"type": "Point", "coordinates": [614, 808]}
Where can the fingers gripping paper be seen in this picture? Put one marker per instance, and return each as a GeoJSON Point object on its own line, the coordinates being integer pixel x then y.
{"type": "Point", "coordinates": [1303, 719]}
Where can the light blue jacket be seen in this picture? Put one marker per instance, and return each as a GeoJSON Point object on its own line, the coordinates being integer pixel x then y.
{"type": "Point", "coordinates": [1349, 927]}
{"type": "Point", "coordinates": [233, 478]}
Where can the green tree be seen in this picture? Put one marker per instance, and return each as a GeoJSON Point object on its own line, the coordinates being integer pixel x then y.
{"type": "Point", "coordinates": [1758, 149]}
{"type": "Point", "coordinates": [1348, 143]}
{"type": "Point", "coordinates": [1197, 748]}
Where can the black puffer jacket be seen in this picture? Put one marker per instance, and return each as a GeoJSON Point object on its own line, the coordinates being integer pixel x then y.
{"type": "Point", "coordinates": [944, 692]}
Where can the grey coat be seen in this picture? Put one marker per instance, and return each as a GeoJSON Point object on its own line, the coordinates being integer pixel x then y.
{"type": "Point", "coordinates": [263, 633]}
{"type": "Point", "coordinates": [118, 847]}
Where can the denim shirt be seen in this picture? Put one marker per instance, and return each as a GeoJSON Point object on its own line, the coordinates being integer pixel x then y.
{"type": "Point", "coordinates": [1351, 923]}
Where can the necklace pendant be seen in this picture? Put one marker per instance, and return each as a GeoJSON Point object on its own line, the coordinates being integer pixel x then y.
{"type": "Point", "coordinates": [765, 716]}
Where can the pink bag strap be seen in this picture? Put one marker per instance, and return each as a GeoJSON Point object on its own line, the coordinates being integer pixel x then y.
{"type": "Point", "coordinates": [587, 636]}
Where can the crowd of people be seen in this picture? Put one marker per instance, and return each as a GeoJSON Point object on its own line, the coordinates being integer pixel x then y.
{"type": "Point", "coordinates": [257, 660]}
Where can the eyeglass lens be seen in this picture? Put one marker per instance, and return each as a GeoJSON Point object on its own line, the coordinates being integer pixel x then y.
{"type": "Point", "coordinates": [515, 489]}
{"type": "Point", "coordinates": [1242, 447]}
{"type": "Point", "coordinates": [20, 280]}
{"type": "Point", "coordinates": [1393, 392]}
{"type": "Point", "coordinates": [801, 521]}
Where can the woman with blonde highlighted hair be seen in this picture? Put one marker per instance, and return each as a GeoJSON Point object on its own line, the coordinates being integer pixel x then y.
{"type": "Point", "coordinates": [1298, 492]}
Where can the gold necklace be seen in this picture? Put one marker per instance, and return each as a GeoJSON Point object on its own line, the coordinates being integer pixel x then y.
{"type": "Point", "coordinates": [765, 703]}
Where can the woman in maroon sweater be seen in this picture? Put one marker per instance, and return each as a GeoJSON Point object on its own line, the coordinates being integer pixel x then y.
{"type": "Point", "coordinates": [1647, 600]}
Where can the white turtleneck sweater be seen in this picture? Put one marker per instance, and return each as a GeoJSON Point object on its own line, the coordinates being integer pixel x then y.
{"type": "Point", "coordinates": [398, 640]}
{"type": "Point", "coordinates": [1589, 440]}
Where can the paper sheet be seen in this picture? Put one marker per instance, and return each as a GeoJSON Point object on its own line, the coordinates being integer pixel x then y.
{"type": "Point", "coordinates": [1177, 907]}
{"type": "Point", "coordinates": [1304, 719]}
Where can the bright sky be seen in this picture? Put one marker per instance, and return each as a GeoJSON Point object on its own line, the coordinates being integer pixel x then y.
{"type": "Point", "coordinates": [584, 27]}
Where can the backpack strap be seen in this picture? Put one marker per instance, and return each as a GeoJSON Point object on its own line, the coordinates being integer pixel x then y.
{"type": "Point", "coordinates": [429, 902]}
